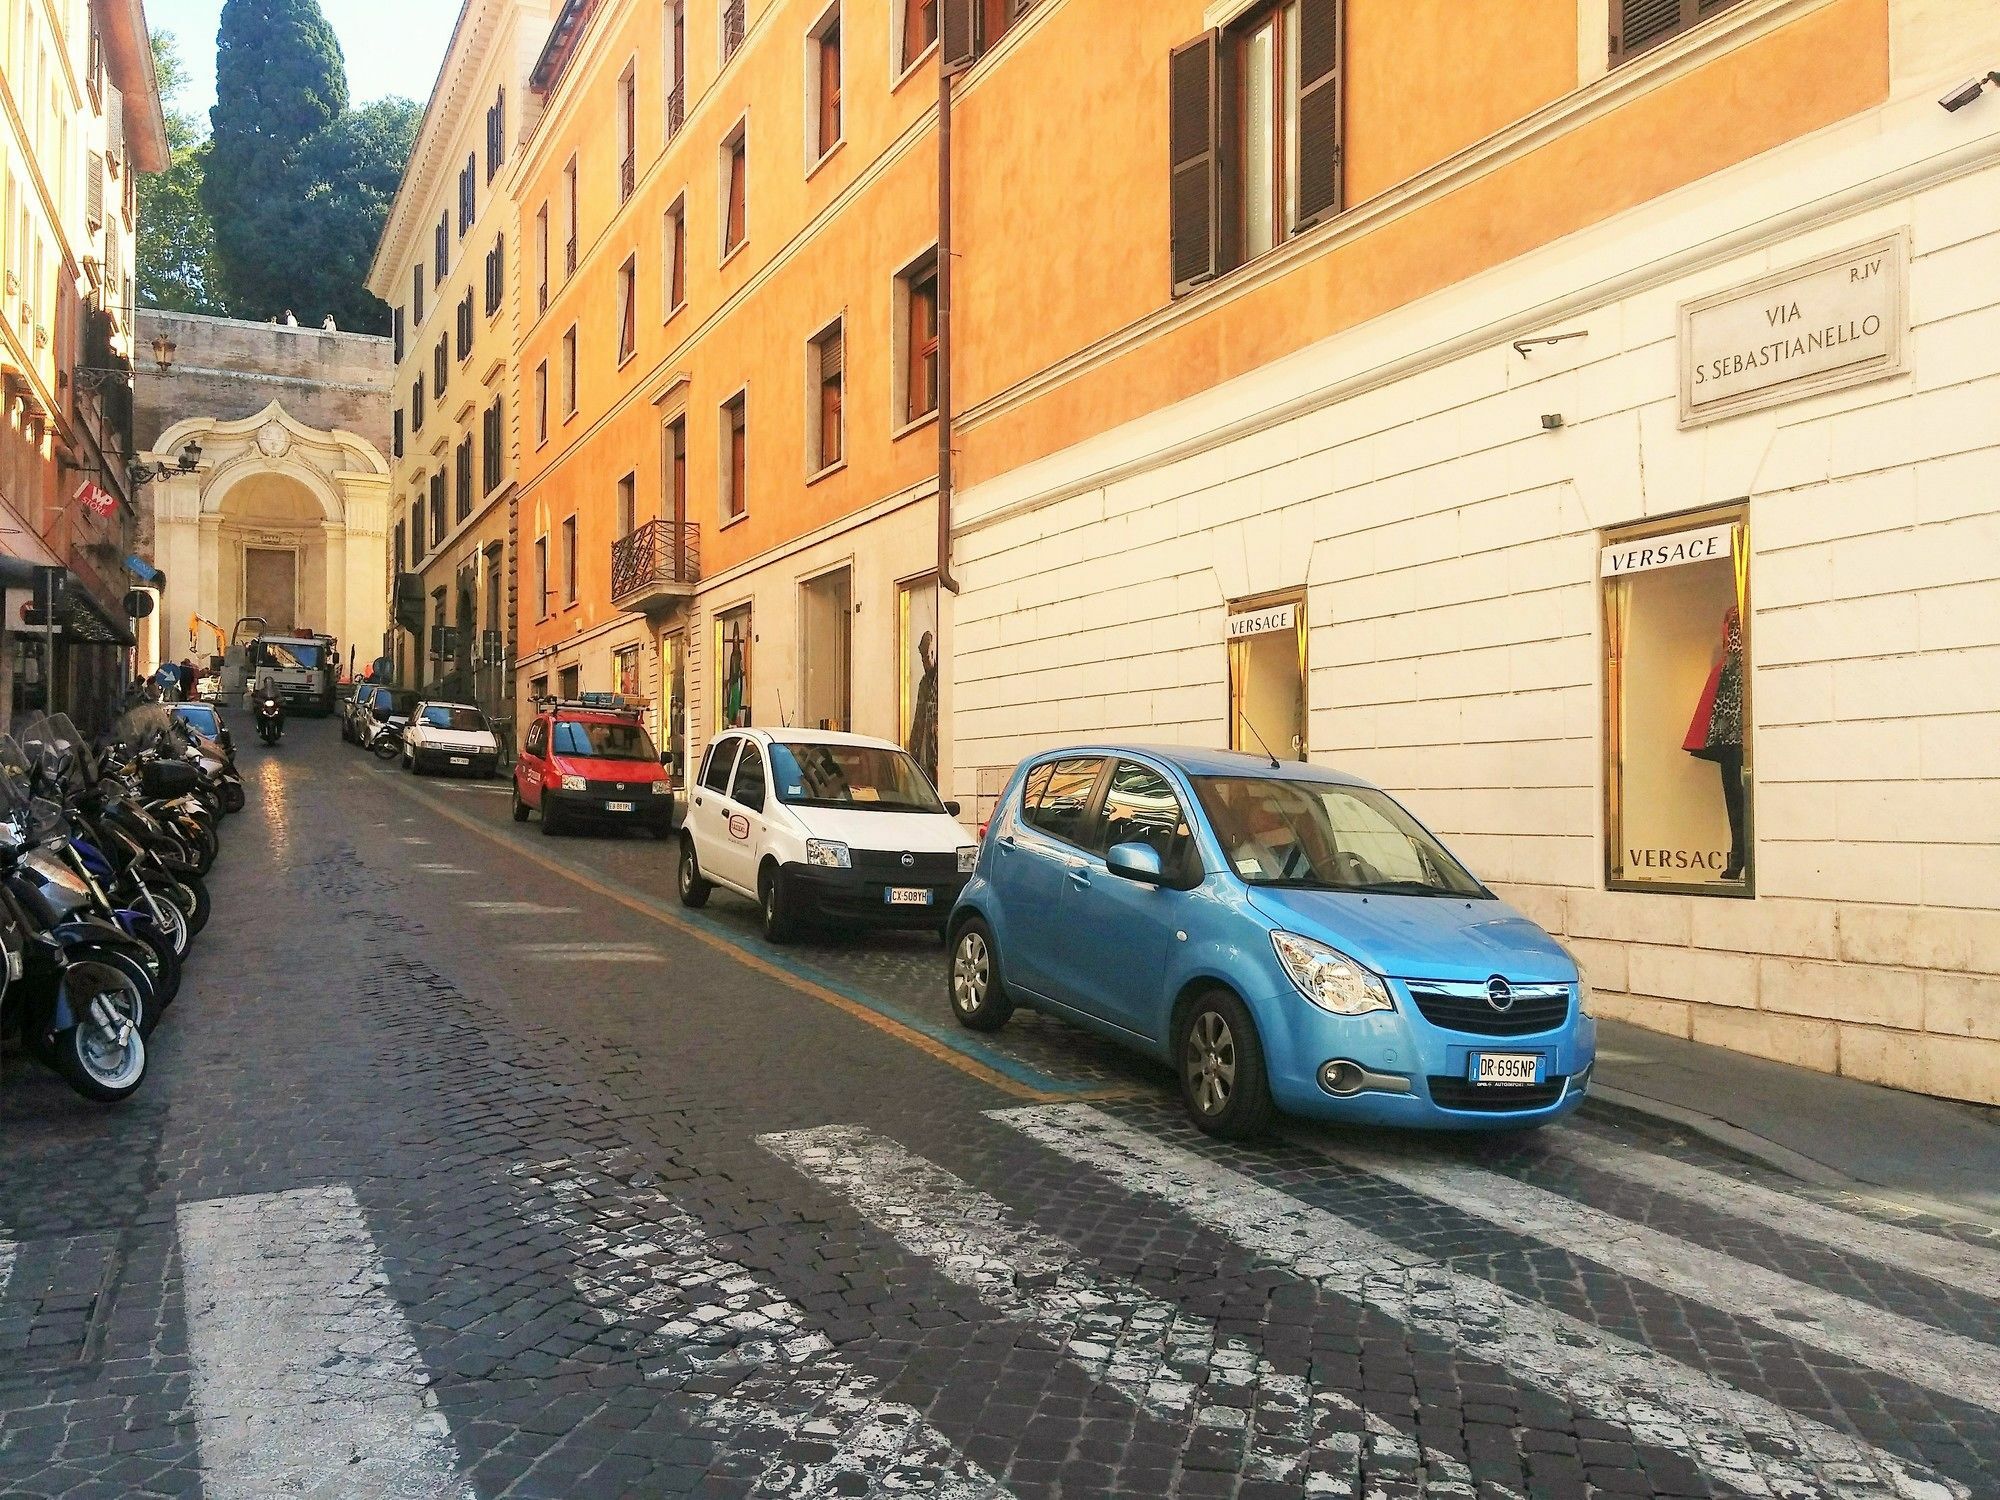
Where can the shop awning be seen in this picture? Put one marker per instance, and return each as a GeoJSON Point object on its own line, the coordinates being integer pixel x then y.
{"type": "Point", "coordinates": [87, 622]}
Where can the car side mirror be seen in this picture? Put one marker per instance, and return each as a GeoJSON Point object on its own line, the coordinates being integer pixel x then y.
{"type": "Point", "coordinates": [1140, 862]}
{"type": "Point", "coordinates": [952, 808]}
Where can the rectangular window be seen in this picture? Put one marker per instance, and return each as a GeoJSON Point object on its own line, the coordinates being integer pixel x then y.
{"type": "Point", "coordinates": [826, 649]}
{"type": "Point", "coordinates": [1639, 25]}
{"type": "Point", "coordinates": [676, 245]}
{"type": "Point", "coordinates": [823, 83]}
{"type": "Point", "coordinates": [402, 549]}
{"type": "Point", "coordinates": [676, 32]}
{"type": "Point", "coordinates": [465, 326]}
{"type": "Point", "coordinates": [417, 527]}
{"type": "Point", "coordinates": [628, 505]}
{"type": "Point", "coordinates": [416, 297]}
{"type": "Point", "coordinates": [625, 671]}
{"type": "Point", "coordinates": [569, 682]}
{"type": "Point", "coordinates": [825, 360]}
{"type": "Point", "coordinates": [437, 508]}
{"type": "Point", "coordinates": [628, 133]}
{"type": "Point", "coordinates": [542, 402]}
{"type": "Point", "coordinates": [495, 274]}
{"type": "Point", "coordinates": [732, 668]}
{"type": "Point", "coordinates": [569, 371]}
{"type": "Point", "coordinates": [496, 134]}
{"type": "Point", "coordinates": [569, 559]}
{"type": "Point", "coordinates": [441, 250]}
{"type": "Point", "coordinates": [570, 198]}
{"type": "Point", "coordinates": [417, 404]}
{"type": "Point", "coordinates": [675, 464]}
{"type": "Point", "coordinates": [917, 685]}
{"type": "Point", "coordinates": [1267, 675]}
{"type": "Point", "coordinates": [541, 578]}
{"type": "Point", "coordinates": [919, 31]}
{"type": "Point", "coordinates": [440, 365]}
{"type": "Point", "coordinates": [628, 309]}
{"type": "Point", "coordinates": [1678, 767]}
{"type": "Point", "coordinates": [917, 370]}
{"type": "Point", "coordinates": [468, 188]}
{"type": "Point", "coordinates": [735, 187]}
{"type": "Point", "coordinates": [464, 477]}
{"type": "Point", "coordinates": [396, 327]}
{"type": "Point", "coordinates": [542, 260]}
{"type": "Point", "coordinates": [396, 430]}
{"type": "Point", "coordinates": [735, 456]}
{"type": "Point", "coordinates": [1254, 135]}
{"type": "Point", "coordinates": [492, 435]}
{"type": "Point", "coordinates": [733, 29]}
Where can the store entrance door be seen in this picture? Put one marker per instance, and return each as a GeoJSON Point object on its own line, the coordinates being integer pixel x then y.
{"type": "Point", "coordinates": [1267, 677]}
{"type": "Point", "coordinates": [673, 724]}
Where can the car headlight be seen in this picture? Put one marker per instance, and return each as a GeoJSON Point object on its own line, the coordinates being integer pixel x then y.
{"type": "Point", "coordinates": [574, 783]}
{"type": "Point", "coordinates": [661, 789]}
{"type": "Point", "coordinates": [1329, 978]}
{"type": "Point", "coordinates": [968, 858]}
{"type": "Point", "coordinates": [829, 854]}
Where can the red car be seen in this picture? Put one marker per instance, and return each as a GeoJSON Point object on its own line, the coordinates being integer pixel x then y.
{"type": "Point", "coordinates": [592, 761]}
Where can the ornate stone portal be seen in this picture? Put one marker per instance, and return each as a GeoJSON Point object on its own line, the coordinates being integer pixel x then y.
{"type": "Point", "coordinates": [278, 519]}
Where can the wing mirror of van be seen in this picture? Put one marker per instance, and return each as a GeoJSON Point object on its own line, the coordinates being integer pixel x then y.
{"type": "Point", "coordinates": [952, 808]}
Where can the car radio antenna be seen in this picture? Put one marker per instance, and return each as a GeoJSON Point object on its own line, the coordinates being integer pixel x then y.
{"type": "Point", "coordinates": [784, 719]}
{"type": "Point", "coordinates": [1260, 742]}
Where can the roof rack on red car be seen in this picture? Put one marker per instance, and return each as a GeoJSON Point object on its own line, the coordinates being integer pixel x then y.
{"type": "Point", "coordinates": [595, 703]}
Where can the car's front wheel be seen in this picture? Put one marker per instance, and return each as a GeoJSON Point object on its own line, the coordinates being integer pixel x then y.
{"type": "Point", "coordinates": [694, 890]}
{"type": "Point", "coordinates": [978, 998]}
{"type": "Point", "coordinates": [520, 807]}
{"type": "Point", "coordinates": [1221, 1066]}
{"type": "Point", "coordinates": [775, 903]}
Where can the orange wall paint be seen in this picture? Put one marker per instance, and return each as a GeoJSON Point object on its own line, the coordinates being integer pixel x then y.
{"type": "Point", "coordinates": [1068, 223]}
{"type": "Point", "coordinates": [802, 274]}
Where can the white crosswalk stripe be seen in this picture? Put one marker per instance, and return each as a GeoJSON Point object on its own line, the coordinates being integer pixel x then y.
{"type": "Point", "coordinates": [1948, 1363]}
{"type": "Point", "coordinates": [1970, 1268]}
{"type": "Point", "coordinates": [641, 1260]}
{"type": "Point", "coordinates": [518, 909]}
{"type": "Point", "coordinates": [306, 1378]}
{"type": "Point", "coordinates": [1739, 1439]}
{"type": "Point", "coordinates": [1144, 1348]}
{"type": "Point", "coordinates": [598, 953]}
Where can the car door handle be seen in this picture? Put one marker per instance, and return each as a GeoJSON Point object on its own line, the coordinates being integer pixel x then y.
{"type": "Point", "coordinates": [1005, 841]}
{"type": "Point", "coordinates": [1080, 879]}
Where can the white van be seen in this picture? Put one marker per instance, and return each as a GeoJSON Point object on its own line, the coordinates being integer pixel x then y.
{"type": "Point", "coordinates": [818, 827]}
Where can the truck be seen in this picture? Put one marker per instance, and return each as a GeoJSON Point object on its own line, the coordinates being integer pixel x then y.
{"type": "Point", "coordinates": [303, 666]}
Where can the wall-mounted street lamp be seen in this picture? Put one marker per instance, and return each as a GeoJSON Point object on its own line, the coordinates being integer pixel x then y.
{"type": "Point", "coordinates": [185, 462]}
{"type": "Point", "coordinates": [93, 378]}
{"type": "Point", "coordinates": [1966, 92]}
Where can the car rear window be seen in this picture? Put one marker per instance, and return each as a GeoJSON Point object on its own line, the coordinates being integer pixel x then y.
{"type": "Point", "coordinates": [469, 720]}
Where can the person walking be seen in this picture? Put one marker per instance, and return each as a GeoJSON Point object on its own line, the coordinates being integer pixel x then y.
{"type": "Point", "coordinates": [188, 676]}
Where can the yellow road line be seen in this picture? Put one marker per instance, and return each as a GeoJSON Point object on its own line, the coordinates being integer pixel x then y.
{"type": "Point", "coordinates": [889, 1024]}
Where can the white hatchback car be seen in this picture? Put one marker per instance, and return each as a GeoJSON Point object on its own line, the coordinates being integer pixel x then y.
{"type": "Point", "coordinates": [818, 827]}
{"type": "Point", "coordinates": [450, 737]}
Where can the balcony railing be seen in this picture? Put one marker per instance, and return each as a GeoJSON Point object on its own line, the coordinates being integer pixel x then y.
{"type": "Point", "coordinates": [658, 562]}
{"type": "Point", "coordinates": [676, 109]}
{"type": "Point", "coordinates": [628, 177]}
{"type": "Point", "coordinates": [732, 28]}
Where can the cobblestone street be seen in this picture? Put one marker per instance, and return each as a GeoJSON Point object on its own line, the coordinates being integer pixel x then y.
{"type": "Point", "coordinates": [472, 1165]}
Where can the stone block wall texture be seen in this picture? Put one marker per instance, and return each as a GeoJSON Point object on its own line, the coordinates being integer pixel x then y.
{"type": "Point", "coordinates": [227, 368]}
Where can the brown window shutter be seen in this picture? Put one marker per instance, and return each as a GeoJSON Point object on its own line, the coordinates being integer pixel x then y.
{"type": "Point", "coordinates": [1320, 28]}
{"type": "Point", "coordinates": [831, 354]}
{"type": "Point", "coordinates": [1191, 110]}
{"type": "Point", "coordinates": [93, 192]}
{"type": "Point", "coordinates": [961, 33]}
{"type": "Point", "coordinates": [1637, 25]}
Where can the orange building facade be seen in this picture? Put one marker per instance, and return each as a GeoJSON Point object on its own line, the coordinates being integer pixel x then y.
{"type": "Point", "coordinates": [727, 366]}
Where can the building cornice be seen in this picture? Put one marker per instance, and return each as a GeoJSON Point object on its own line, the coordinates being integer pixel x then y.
{"type": "Point", "coordinates": [128, 57]}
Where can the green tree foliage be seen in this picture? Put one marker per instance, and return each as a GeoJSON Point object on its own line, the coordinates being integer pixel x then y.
{"type": "Point", "coordinates": [176, 252]}
{"type": "Point", "coordinates": [298, 184]}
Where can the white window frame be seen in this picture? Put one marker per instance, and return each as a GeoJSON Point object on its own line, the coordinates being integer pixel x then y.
{"type": "Point", "coordinates": [815, 469]}
{"type": "Point", "coordinates": [828, 18]}
{"type": "Point", "coordinates": [724, 472]}
{"type": "Point", "coordinates": [739, 133]}
{"type": "Point", "coordinates": [900, 424]}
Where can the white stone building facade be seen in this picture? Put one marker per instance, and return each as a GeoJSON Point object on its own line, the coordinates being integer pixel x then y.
{"type": "Point", "coordinates": [1444, 509]}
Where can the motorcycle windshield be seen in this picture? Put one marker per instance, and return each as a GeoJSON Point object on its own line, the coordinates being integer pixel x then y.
{"type": "Point", "coordinates": [32, 814]}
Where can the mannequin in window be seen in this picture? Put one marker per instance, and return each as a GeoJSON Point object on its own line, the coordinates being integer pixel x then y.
{"type": "Point", "coordinates": [1716, 733]}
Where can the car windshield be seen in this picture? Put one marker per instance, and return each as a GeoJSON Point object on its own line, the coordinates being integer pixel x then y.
{"type": "Point", "coordinates": [858, 776]}
{"type": "Point", "coordinates": [201, 716]}
{"type": "Point", "coordinates": [390, 704]}
{"type": "Point", "coordinates": [1319, 834]}
{"type": "Point", "coordinates": [604, 741]}
{"type": "Point", "coordinates": [438, 716]}
{"type": "Point", "coordinates": [286, 656]}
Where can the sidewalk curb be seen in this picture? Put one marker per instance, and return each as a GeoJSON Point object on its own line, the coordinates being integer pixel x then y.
{"type": "Point", "coordinates": [1615, 1102]}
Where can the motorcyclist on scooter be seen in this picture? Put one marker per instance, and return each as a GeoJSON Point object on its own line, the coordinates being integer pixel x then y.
{"type": "Point", "coordinates": [269, 709]}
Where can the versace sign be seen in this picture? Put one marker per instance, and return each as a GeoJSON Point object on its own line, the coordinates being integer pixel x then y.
{"type": "Point", "coordinates": [1836, 321]}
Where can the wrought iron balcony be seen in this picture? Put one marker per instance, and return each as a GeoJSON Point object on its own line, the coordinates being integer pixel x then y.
{"type": "Point", "coordinates": [733, 28]}
{"type": "Point", "coordinates": [656, 565]}
{"type": "Point", "coordinates": [676, 110]}
{"type": "Point", "coordinates": [628, 177]}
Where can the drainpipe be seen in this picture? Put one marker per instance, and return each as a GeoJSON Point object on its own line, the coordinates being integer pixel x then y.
{"type": "Point", "coordinates": [944, 476]}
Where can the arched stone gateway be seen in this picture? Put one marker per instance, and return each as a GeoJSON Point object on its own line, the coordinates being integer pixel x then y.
{"type": "Point", "coordinates": [277, 519]}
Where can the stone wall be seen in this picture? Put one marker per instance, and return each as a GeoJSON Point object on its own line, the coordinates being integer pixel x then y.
{"type": "Point", "coordinates": [229, 369]}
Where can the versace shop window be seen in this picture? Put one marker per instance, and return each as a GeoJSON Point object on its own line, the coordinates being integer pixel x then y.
{"type": "Point", "coordinates": [1678, 763]}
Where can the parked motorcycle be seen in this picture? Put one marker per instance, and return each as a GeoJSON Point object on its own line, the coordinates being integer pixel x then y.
{"type": "Point", "coordinates": [388, 741]}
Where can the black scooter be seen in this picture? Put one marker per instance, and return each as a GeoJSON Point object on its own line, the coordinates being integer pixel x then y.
{"type": "Point", "coordinates": [270, 712]}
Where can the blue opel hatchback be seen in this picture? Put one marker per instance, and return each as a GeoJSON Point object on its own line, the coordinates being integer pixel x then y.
{"type": "Point", "coordinates": [1287, 937]}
